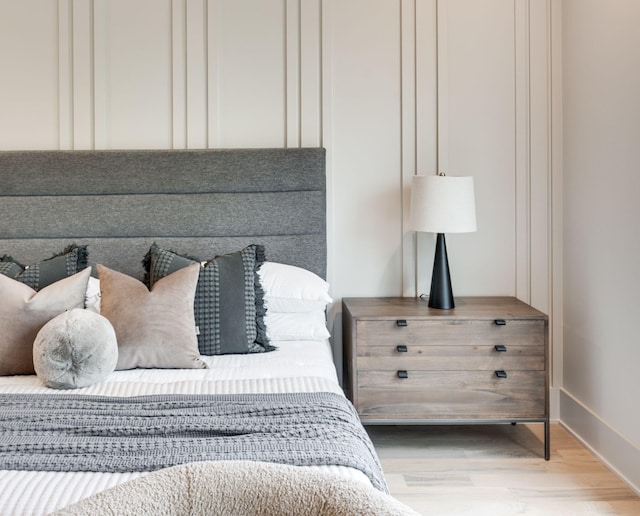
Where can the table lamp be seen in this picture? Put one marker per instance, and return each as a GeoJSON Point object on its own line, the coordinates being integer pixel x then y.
{"type": "Point", "coordinates": [442, 204]}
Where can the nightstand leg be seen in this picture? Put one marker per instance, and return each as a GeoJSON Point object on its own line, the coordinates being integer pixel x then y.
{"type": "Point", "coordinates": [547, 439]}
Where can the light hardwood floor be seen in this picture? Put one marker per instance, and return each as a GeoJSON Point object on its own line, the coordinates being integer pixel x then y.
{"type": "Point", "coordinates": [497, 470]}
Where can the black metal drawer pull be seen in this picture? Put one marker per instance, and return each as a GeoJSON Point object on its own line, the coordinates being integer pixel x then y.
{"type": "Point", "coordinates": [501, 374]}
{"type": "Point", "coordinates": [500, 322]}
{"type": "Point", "coordinates": [403, 374]}
{"type": "Point", "coordinates": [500, 348]}
{"type": "Point", "coordinates": [401, 322]}
{"type": "Point", "coordinates": [401, 348]}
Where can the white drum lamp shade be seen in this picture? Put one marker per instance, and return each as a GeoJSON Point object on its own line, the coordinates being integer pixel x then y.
{"type": "Point", "coordinates": [442, 204]}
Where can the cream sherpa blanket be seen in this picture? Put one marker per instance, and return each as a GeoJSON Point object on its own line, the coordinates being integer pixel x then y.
{"type": "Point", "coordinates": [242, 488]}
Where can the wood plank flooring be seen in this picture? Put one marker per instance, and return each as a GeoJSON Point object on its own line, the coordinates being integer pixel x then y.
{"type": "Point", "coordinates": [498, 470]}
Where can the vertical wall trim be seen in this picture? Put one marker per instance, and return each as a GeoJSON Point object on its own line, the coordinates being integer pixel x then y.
{"type": "Point", "coordinates": [533, 158]}
{"type": "Point", "coordinates": [408, 141]}
{"type": "Point", "coordinates": [196, 71]}
{"type": "Point", "coordinates": [299, 99]}
{"type": "Point", "coordinates": [401, 78]}
{"type": "Point", "coordinates": [178, 75]}
{"type": "Point", "coordinates": [526, 205]}
{"type": "Point", "coordinates": [186, 72]}
{"type": "Point", "coordinates": [522, 141]}
{"type": "Point", "coordinates": [528, 169]}
{"type": "Point", "coordinates": [205, 75]}
{"type": "Point", "coordinates": [65, 75]}
{"type": "Point", "coordinates": [550, 205]}
{"type": "Point", "coordinates": [285, 78]}
{"type": "Point", "coordinates": [549, 156]}
{"type": "Point", "coordinates": [292, 72]}
{"type": "Point", "coordinates": [99, 74]}
{"type": "Point", "coordinates": [427, 36]}
{"type": "Point", "coordinates": [212, 76]}
{"type": "Point", "coordinates": [437, 85]}
{"type": "Point", "coordinates": [83, 80]}
{"type": "Point", "coordinates": [539, 115]}
{"type": "Point", "coordinates": [442, 83]}
{"type": "Point", "coordinates": [326, 118]}
{"type": "Point", "coordinates": [549, 191]}
{"type": "Point", "coordinates": [414, 236]}
{"type": "Point", "coordinates": [92, 65]}
{"type": "Point", "coordinates": [415, 240]}
{"type": "Point", "coordinates": [556, 155]}
{"type": "Point", "coordinates": [321, 75]}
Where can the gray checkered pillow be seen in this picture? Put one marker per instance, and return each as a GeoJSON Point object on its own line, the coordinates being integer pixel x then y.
{"type": "Point", "coordinates": [228, 306]}
{"type": "Point", "coordinates": [71, 260]}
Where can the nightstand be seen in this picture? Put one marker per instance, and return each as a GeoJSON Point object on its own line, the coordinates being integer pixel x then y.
{"type": "Point", "coordinates": [485, 361]}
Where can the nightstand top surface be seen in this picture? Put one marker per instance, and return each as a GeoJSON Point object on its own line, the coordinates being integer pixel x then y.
{"type": "Point", "coordinates": [497, 307]}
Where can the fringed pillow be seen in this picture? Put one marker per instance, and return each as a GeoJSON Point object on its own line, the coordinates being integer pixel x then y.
{"type": "Point", "coordinates": [229, 306]}
{"type": "Point", "coordinates": [38, 275]}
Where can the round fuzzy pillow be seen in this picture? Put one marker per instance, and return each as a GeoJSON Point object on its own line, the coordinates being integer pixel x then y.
{"type": "Point", "coordinates": [75, 349]}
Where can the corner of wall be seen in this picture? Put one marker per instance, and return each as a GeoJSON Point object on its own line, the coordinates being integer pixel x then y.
{"type": "Point", "coordinates": [605, 442]}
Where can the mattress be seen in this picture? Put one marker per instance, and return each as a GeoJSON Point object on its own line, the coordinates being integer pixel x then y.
{"type": "Point", "coordinates": [296, 366]}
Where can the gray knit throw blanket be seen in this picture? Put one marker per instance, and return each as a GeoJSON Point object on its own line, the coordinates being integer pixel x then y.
{"type": "Point", "coordinates": [66, 432]}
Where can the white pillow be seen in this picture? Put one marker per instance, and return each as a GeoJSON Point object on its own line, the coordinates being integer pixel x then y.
{"type": "Point", "coordinates": [296, 326]}
{"type": "Point", "coordinates": [290, 304]}
{"type": "Point", "coordinates": [285, 286]}
{"type": "Point", "coordinates": [92, 296]}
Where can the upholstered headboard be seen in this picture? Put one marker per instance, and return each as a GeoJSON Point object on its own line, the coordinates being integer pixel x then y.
{"type": "Point", "coordinates": [197, 202]}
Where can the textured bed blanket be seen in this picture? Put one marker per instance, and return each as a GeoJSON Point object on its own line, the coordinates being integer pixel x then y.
{"type": "Point", "coordinates": [92, 433]}
{"type": "Point", "coordinates": [240, 488]}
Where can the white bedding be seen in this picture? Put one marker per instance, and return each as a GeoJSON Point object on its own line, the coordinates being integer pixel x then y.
{"type": "Point", "coordinates": [297, 366]}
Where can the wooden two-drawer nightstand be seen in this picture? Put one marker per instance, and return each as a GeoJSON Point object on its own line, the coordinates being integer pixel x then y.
{"type": "Point", "coordinates": [485, 361]}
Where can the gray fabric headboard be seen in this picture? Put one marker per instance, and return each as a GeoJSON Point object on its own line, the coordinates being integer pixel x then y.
{"type": "Point", "coordinates": [196, 202]}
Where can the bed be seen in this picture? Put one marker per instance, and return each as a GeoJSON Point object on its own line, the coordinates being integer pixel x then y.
{"type": "Point", "coordinates": [249, 221]}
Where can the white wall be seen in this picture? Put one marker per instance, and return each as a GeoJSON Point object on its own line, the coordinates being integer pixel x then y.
{"type": "Point", "coordinates": [601, 112]}
{"type": "Point", "coordinates": [355, 76]}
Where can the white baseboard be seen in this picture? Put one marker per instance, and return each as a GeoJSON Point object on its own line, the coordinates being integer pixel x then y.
{"type": "Point", "coordinates": [554, 404]}
{"type": "Point", "coordinates": [617, 453]}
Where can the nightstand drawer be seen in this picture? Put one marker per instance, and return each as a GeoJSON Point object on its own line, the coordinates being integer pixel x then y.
{"type": "Point", "coordinates": [451, 358]}
{"type": "Point", "coordinates": [450, 332]}
{"type": "Point", "coordinates": [451, 395]}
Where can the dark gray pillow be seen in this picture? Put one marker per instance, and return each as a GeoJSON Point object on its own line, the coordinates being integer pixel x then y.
{"type": "Point", "coordinates": [229, 306]}
{"type": "Point", "coordinates": [70, 261]}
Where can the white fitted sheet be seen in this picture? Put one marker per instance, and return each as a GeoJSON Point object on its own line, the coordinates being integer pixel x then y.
{"type": "Point", "coordinates": [296, 366]}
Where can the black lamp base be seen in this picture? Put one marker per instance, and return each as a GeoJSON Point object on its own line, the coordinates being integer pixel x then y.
{"type": "Point", "coordinates": [441, 295]}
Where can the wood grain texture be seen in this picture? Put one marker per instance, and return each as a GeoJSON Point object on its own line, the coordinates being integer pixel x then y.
{"type": "Point", "coordinates": [408, 363]}
{"type": "Point", "coordinates": [496, 470]}
{"type": "Point", "coordinates": [480, 307]}
{"type": "Point", "coordinates": [439, 395]}
{"type": "Point", "coordinates": [451, 358]}
{"type": "Point", "coordinates": [456, 332]}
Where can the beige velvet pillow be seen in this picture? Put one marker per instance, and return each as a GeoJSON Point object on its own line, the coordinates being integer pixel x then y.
{"type": "Point", "coordinates": [154, 328]}
{"type": "Point", "coordinates": [23, 311]}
